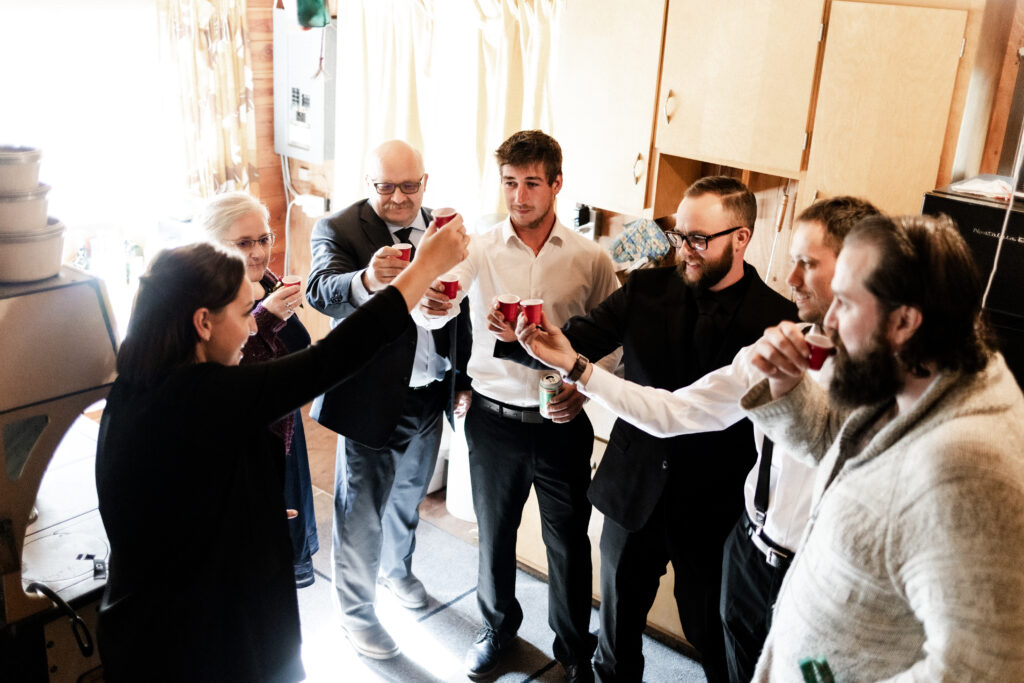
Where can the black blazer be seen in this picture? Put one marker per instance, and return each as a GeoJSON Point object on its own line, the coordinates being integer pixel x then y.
{"type": "Point", "coordinates": [648, 318]}
{"type": "Point", "coordinates": [367, 406]}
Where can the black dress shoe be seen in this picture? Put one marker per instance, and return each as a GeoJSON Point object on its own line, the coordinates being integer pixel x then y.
{"type": "Point", "coordinates": [483, 656]}
{"type": "Point", "coordinates": [579, 673]}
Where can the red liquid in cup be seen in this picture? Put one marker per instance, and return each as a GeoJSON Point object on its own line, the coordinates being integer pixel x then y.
{"type": "Point", "coordinates": [532, 310]}
{"type": "Point", "coordinates": [508, 304]}
{"type": "Point", "coordinates": [406, 250]}
{"type": "Point", "coordinates": [821, 348]}
{"type": "Point", "coordinates": [442, 216]}
{"type": "Point", "coordinates": [451, 288]}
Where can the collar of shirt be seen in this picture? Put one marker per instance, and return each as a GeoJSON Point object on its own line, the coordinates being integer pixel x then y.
{"type": "Point", "coordinates": [730, 298]}
{"type": "Point", "coordinates": [418, 225]}
{"type": "Point", "coordinates": [555, 237]}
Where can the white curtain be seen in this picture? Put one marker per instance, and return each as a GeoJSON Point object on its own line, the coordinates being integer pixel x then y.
{"type": "Point", "coordinates": [453, 78]}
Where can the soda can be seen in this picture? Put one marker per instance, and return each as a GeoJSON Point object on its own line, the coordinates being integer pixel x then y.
{"type": "Point", "coordinates": [550, 386]}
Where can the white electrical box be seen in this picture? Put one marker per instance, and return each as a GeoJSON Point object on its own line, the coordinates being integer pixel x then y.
{"type": "Point", "coordinates": [304, 70]}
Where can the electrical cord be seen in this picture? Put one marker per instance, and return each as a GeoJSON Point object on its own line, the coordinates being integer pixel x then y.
{"type": "Point", "coordinates": [78, 627]}
{"type": "Point", "coordinates": [1006, 217]}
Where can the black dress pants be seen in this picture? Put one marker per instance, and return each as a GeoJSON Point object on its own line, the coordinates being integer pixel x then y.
{"type": "Point", "coordinates": [749, 588]}
{"type": "Point", "coordinates": [632, 564]}
{"type": "Point", "coordinates": [506, 457]}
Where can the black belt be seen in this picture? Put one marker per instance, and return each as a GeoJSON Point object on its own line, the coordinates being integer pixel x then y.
{"type": "Point", "coordinates": [530, 415]}
{"type": "Point", "coordinates": [774, 554]}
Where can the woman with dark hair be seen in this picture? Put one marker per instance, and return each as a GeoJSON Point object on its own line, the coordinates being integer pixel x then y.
{"type": "Point", "coordinates": [239, 220]}
{"type": "Point", "coordinates": [190, 480]}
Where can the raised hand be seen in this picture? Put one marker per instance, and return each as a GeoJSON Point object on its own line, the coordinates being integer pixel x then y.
{"type": "Point", "coordinates": [384, 267]}
{"type": "Point", "coordinates": [546, 343]}
{"type": "Point", "coordinates": [782, 355]}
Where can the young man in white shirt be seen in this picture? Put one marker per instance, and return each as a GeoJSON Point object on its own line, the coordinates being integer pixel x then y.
{"type": "Point", "coordinates": [511, 446]}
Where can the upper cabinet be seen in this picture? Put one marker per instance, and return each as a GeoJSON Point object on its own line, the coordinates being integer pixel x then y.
{"type": "Point", "coordinates": [607, 66]}
{"type": "Point", "coordinates": [737, 82]}
{"type": "Point", "coordinates": [884, 103]}
{"type": "Point", "coordinates": [886, 99]}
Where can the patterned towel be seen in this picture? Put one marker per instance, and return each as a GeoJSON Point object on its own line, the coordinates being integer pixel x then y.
{"type": "Point", "coordinates": [640, 238]}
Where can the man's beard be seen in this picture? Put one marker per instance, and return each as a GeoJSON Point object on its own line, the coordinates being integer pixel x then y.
{"type": "Point", "coordinates": [861, 381]}
{"type": "Point", "coordinates": [711, 274]}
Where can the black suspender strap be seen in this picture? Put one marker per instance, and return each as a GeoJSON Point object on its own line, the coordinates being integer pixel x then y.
{"type": "Point", "coordinates": [764, 472]}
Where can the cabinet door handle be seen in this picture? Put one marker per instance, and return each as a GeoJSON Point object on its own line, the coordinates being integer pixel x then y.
{"type": "Point", "coordinates": [638, 169]}
{"type": "Point", "coordinates": [669, 107]}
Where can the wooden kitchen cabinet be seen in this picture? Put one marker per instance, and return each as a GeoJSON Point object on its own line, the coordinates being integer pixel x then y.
{"type": "Point", "coordinates": [737, 82]}
{"type": "Point", "coordinates": [883, 103]}
{"type": "Point", "coordinates": [606, 86]}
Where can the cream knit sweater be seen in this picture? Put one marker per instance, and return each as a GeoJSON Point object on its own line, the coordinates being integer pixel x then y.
{"type": "Point", "coordinates": [912, 566]}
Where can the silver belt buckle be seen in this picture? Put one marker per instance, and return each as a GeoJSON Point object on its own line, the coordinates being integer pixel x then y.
{"type": "Point", "coordinates": [772, 556]}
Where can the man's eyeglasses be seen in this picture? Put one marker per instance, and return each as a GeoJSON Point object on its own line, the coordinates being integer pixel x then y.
{"type": "Point", "coordinates": [696, 242]}
{"type": "Point", "coordinates": [265, 241]}
{"type": "Point", "coordinates": [407, 188]}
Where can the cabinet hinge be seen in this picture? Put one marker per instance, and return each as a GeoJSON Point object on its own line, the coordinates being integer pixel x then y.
{"type": "Point", "coordinates": [821, 32]}
{"type": "Point", "coordinates": [963, 45]}
{"type": "Point", "coordinates": [805, 141]}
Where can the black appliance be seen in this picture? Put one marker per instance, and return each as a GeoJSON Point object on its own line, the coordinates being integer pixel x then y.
{"type": "Point", "coordinates": [980, 221]}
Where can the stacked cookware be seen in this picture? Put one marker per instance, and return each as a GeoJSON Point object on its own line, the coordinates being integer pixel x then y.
{"type": "Point", "coordinates": [31, 242]}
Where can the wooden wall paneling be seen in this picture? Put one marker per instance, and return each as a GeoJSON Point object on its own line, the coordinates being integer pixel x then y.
{"type": "Point", "coordinates": [998, 121]}
{"type": "Point", "coordinates": [769, 247]}
{"type": "Point", "coordinates": [267, 184]}
{"type": "Point", "coordinates": [881, 113]}
{"type": "Point", "coordinates": [986, 35]}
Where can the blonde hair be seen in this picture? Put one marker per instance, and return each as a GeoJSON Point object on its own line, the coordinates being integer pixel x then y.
{"type": "Point", "coordinates": [223, 210]}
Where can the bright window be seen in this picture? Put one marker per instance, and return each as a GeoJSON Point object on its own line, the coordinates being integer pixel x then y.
{"type": "Point", "coordinates": [82, 81]}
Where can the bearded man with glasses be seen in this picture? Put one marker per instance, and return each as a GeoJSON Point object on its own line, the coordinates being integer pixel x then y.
{"type": "Point", "coordinates": [388, 415]}
{"type": "Point", "coordinates": [674, 499]}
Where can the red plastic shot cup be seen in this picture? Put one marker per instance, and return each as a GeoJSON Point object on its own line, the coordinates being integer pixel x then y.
{"type": "Point", "coordinates": [821, 348]}
{"type": "Point", "coordinates": [442, 216]}
{"type": "Point", "coordinates": [508, 304]}
{"type": "Point", "coordinates": [406, 250]}
{"type": "Point", "coordinates": [532, 310]}
{"type": "Point", "coordinates": [451, 285]}
{"type": "Point", "coordinates": [290, 280]}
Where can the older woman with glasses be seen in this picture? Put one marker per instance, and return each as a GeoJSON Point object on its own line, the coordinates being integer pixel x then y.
{"type": "Point", "coordinates": [237, 220]}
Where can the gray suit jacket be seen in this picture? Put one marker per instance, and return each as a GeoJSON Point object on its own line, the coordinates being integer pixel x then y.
{"type": "Point", "coordinates": [367, 406]}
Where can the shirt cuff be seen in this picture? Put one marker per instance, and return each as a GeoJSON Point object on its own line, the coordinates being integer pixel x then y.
{"type": "Point", "coordinates": [358, 292]}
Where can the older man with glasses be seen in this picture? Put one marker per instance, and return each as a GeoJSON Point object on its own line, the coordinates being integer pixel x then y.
{"type": "Point", "coordinates": [388, 415]}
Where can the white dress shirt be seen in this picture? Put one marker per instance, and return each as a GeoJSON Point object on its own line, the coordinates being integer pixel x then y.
{"type": "Point", "coordinates": [571, 273]}
{"type": "Point", "coordinates": [710, 404]}
{"type": "Point", "coordinates": [427, 365]}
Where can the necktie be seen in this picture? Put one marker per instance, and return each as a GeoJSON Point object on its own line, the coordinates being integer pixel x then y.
{"type": "Point", "coordinates": [405, 235]}
{"type": "Point", "coordinates": [705, 331]}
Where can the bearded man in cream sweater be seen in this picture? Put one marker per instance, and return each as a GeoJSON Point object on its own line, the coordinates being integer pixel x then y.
{"type": "Point", "coordinates": [912, 565]}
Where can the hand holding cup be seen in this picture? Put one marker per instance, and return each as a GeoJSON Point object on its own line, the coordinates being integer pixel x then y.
{"type": "Point", "coordinates": [283, 301]}
{"type": "Point", "coordinates": [546, 343]}
{"type": "Point", "coordinates": [443, 215]}
{"type": "Point", "coordinates": [821, 348]}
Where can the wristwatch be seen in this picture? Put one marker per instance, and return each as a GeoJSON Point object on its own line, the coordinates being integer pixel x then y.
{"type": "Point", "coordinates": [578, 367]}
